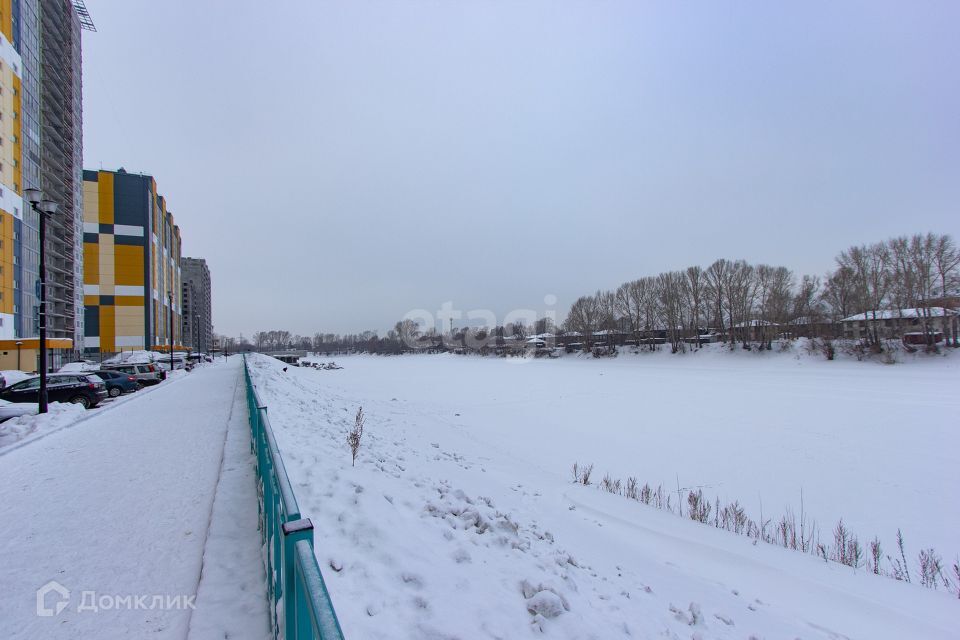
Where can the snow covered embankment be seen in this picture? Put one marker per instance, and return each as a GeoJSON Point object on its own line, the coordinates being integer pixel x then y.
{"type": "Point", "coordinates": [436, 534]}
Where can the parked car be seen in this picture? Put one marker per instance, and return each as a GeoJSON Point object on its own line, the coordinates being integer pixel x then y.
{"type": "Point", "coordinates": [178, 362]}
{"type": "Point", "coordinates": [145, 373]}
{"type": "Point", "coordinates": [11, 376]}
{"type": "Point", "coordinates": [80, 366]}
{"type": "Point", "coordinates": [117, 382]}
{"type": "Point", "coordinates": [83, 389]}
{"type": "Point", "coordinates": [12, 410]}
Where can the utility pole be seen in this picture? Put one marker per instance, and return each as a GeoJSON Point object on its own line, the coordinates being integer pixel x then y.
{"type": "Point", "coordinates": [170, 300]}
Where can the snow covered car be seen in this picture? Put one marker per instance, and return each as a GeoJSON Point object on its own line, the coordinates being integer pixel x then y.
{"type": "Point", "coordinates": [13, 410]}
{"type": "Point", "coordinates": [81, 366]}
{"type": "Point", "coordinates": [12, 376]}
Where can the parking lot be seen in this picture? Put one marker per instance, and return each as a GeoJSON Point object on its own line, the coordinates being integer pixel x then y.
{"type": "Point", "coordinates": [79, 391]}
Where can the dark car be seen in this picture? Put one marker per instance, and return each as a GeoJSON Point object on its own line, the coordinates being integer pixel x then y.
{"type": "Point", "coordinates": [83, 389]}
{"type": "Point", "coordinates": [117, 382]}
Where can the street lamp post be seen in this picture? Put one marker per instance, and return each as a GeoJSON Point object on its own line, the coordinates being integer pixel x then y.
{"type": "Point", "coordinates": [42, 207]}
{"type": "Point", "coordinates": [19, 344]}
{"type": "Point", "coordinates": [170, 301]}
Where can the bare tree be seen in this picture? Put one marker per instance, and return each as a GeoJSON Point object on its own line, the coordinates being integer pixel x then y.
{"type": "Point", "coordinates": [716, 275]}
{"type": "Point", "coordinates": [670, 289]}
{"type": "Point", "coordinates": [841, 293]}
{"type": "Point", "coordinates": [806, 307]}
{"type": "Point", "coordinates": [585, 316]}
{"type": "Point", "coordinates": [694, 289]}
{"type": "Point", "coordinates": [740, 287]}
{"type": "Point", "coordinates": [407, 331]}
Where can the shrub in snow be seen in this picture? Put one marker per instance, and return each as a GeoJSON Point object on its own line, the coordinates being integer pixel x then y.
{"type": "Point", "coordinates": [581, 475]}
{"type": "Point", "coordinates": [699, 509]}
{"type": "Point", "coordinates": [355, 435]}
{"type": "Point", "coordinates": [931, 569]}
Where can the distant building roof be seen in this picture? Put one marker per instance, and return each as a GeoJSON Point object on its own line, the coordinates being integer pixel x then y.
{"type": "Point", "coordinates": [754, 323]}
{"type": "Point", "coordinates": [890, 314]}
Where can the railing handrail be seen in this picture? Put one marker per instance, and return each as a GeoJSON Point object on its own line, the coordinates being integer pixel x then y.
{"type": "Point", "coordinates": [291, 509]}
{"type": "Point", "coordinates": [300, 604]}
{"type": "Point", "coordinates": [324, 618]}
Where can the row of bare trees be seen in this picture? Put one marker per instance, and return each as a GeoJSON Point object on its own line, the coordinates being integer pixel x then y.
{"type": "Point", "coordinates": [742, 302]}
{"type": "Point", "coordinates": [755, 303]}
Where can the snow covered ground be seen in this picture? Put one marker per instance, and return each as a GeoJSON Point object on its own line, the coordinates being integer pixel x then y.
{"type": "Point", "coordinates": [460, 519]}
{"type": "Point", "coordinates": [153, 498]}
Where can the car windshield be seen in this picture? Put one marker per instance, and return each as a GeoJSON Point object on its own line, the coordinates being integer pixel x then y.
{"type": "Point", "coordinates": [27, 385]}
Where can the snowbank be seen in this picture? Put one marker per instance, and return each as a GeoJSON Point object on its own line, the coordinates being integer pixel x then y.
{"type": "Point", "coordinates": [20, 428]}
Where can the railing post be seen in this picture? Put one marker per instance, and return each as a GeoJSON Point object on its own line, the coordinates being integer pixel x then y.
{"type": "Point", "coordinates": [292, 613]}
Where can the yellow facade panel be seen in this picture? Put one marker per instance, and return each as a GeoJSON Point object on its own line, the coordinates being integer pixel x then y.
{"type": "Point", "coordinates": [6, 19]}
{"type": "Point", "coordinates": [107, 333]}
{"type": "Point", "coordinates": [129, 265]}
{"type": "Point", "coordinates": [91, 263]}
{"type": "Point", "coordinates": [105, 197]}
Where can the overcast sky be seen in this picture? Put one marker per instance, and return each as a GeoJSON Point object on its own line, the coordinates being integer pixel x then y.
{"type": "Point", "coordinates": [341, 163]}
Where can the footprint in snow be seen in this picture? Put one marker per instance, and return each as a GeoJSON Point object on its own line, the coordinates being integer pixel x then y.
{"type": "Point", "coordinates": [724, 619]}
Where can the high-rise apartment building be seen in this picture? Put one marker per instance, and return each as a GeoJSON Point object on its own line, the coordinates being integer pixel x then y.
{"type": "Point", "coordinates": [197, 313]}
{"type": "Point", "coordinates": [40, 148]}
{"type": "Point", "coordinates": [18, 170]}
{"type": "Point", "coordinates": [61, 166]}
{"type": "Point", "coordinates": [131, 255]}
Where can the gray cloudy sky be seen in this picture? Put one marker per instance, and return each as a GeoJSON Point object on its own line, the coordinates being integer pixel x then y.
{"type": "Point", "coordinates": [340, 163]}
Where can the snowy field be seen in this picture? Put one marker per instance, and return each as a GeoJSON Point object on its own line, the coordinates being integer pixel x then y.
{"type": "Point", "coordinates": [460, 519]}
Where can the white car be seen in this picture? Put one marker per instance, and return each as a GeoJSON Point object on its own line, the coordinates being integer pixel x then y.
{"type": "Point", "coordinates": [15, 409]}
{"type": "Point", "coordinates": [12, 376]}
{"type": "Point", "coordinates": [82, 366]}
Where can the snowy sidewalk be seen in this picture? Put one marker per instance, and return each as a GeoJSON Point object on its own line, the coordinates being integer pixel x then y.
{"type": "Point", "coordinates": [117, 510]}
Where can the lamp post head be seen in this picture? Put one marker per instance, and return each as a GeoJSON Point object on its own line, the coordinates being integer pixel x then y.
{"type": "Point", "coordinates": [47, 206]}
{"type": "Point", "coordinates": [33, 196]}
{"type": "Point", "coordinates": [18, 343]}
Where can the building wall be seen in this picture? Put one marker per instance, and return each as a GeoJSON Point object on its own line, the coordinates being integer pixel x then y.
{"type": "Point", "coordinates": [11, 202]}
{"type": "Point", "coordinates": [25, 28]}
{"type": "Point", "coordinates": [127, 273]}
{"type": "Point", "coordinates": [892, 328]}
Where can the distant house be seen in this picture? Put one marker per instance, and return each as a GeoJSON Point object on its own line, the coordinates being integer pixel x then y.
{"type": "Point", "coordinates": [810, 327]}
{"type": "Point", "coordinates": [754, 330]}
{"type": "Point", "coordinates": [900, 324]}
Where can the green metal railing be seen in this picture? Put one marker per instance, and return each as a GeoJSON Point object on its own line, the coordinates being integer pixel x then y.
{"type": "Point", "coordinates": [300, 605]}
